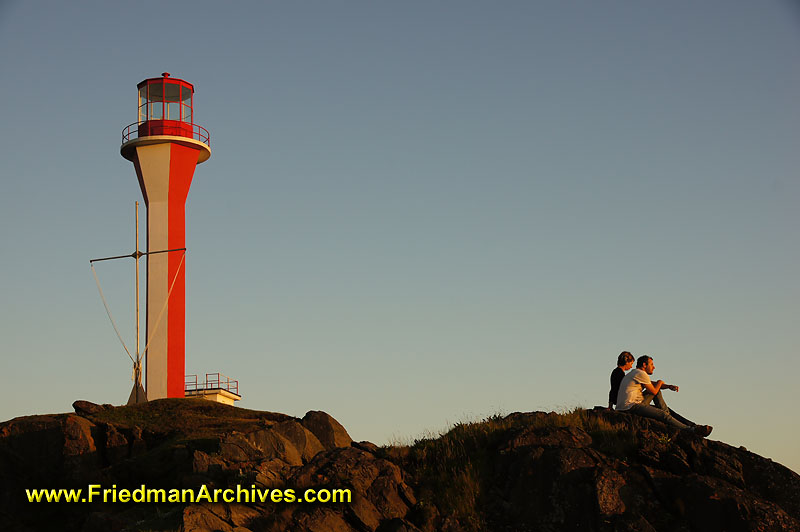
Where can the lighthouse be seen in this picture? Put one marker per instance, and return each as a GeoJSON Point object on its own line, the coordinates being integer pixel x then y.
{"type": "Point", "coordinates": [165, 146]}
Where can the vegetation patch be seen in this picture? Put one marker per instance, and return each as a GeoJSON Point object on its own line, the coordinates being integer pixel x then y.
{"type": "Point", "coordinates": [196, 417]}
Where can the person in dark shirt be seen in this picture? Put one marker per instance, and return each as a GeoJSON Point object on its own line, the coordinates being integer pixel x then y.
{"type": "Point", "coordinates": [624, 363]}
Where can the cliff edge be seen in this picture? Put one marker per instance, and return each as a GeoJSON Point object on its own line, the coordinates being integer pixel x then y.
{"type": "Point", "coordinates": [589, 470]}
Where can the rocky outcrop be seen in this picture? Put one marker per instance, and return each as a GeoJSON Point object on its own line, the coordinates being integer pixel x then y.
{"type": "Point", "coordinates": [327, 430]}
{"type": "Point", "coordinates": [303, 439]}
{"type": "Point", "coordinates": [587, 470]}
{"type": "Point", "coordinates": [86, 408]}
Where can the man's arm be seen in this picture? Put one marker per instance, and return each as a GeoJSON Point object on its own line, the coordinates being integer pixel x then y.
{"type": "Point", "coordinates": [653, 389]}
{"type": "Point", "coordinates": [670, 387]}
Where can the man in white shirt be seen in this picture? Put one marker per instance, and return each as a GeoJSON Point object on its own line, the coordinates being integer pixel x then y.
{"type": "Point", "coordinates": [637, 390]}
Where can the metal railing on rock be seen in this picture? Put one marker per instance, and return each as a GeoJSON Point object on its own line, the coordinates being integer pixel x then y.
{"type": "Point", "coordinates": [214, 381]}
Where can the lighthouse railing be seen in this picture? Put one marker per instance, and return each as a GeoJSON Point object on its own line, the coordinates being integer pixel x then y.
{"type": "Point", "coordinates": [200, 133]}
{"type": "Point", "coordinates": [213, 381]}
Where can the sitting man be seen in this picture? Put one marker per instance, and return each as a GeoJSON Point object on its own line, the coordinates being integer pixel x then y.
{"type": "Point", "coordinates": [624, 363]}
{"type": "Point", "coordinates": [631, 399]}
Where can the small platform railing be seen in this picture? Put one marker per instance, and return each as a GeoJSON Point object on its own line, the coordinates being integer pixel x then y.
{"type": "Point", "coordinates": [167, 127]}
{"type": "Point", "coordinates": [214, 381]}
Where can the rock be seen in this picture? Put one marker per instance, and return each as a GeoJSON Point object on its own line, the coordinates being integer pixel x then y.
{"type": "Point", "coordinates": [567, 460]}
{"type": "Point", "coordinates": [303, 439]}
{"type": "Point", "coordinates": [634, 524]}
{"type": "Point", "coordinates": [397, 525]}
{"type": "Point", "coordinates": [136, 517]}
{"type": "Point", "coordinates": [425, 516]}
{"type": "Point", "coordinates": [139, 446]}
{"type": "Point", "coordinates": [327, 430]}
{"type": "Point", "coordinates": [379, 481]}
{"type": "Point", "coordinates": [198, 518]}
{"type": "Point", "coordinates": [771, 481]}
{"type": "Point", "coordinates": [80, 455]}
{"type": "Point", "coordinates": [86, 408]}
{"type": "Point", "coordinates": [78, 436]}
{"type": "Point", "coordinates": [596, 471]}
{"type": "Point", "coordinates": [257, 446]}
{"type": "Point", "coordinates": [203, 463]}
{"type": "Point", "coordinates": [366, 446]}
{"type": "Point", "coordinates": [708, 503]}
{"type": "Point", "coordinates": [272, 473]}
{"type": "Point", "coordinates": [116, 445]}
{"type": "Point", "coordinates": [365, 512]}
{"type": "Point", "coordinates": [677, 461]}
{"type": "Point", "coordinates": [241, 515]}
{"type": "Point", "coordinates": [563, 437]}
{"type": "Point", "coordinates": [270, 444]}
{"type": "Point", "coordinates": [320, 520]}
{"type": "Point", "coordinates": [234, 514]}
{"type": "Point", "coordinates": [607, 485]}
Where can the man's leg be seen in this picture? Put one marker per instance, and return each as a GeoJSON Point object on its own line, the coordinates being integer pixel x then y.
{"type": "Point", "coordinates": [681, 418]}
{"type": "Point", "coordinates": [652, 412]}
{"type": "Point", "coordinates": [660, 403]}
{"type": "Point", "coordinates": [657, 399]}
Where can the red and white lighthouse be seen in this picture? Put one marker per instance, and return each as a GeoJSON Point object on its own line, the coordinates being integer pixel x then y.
{"type": "Point", "coordinates": [165, 146]}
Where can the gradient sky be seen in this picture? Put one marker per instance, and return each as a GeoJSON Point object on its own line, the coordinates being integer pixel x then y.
{"type": "Point", "coordinates": [419, 213]}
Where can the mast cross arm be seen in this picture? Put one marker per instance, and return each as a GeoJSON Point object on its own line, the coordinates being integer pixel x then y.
{"type": "Point", "coordinates": [138, 254]}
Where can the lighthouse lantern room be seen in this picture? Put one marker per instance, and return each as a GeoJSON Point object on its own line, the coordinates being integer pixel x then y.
{"type": "Point", "coordinates": [165, 109]}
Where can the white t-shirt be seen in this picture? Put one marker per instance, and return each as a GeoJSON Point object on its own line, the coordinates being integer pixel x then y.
{"type": "Point", "coordinates": [630, 389]}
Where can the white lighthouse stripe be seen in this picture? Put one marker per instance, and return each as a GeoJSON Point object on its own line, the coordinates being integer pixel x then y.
{"type": "Point", "coordinates": [157, 289]}
{"type": "Point", "coordinates": [154, 164]}
{"type": "Point", "coordinates": [154, 161]}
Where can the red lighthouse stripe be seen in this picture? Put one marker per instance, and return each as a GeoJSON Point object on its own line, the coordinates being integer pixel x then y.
{"type": "Point", "coordinates": [182, 163]}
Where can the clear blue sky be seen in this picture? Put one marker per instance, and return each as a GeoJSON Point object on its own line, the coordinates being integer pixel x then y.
{"type": "Point", "coordinates": [418, 213]}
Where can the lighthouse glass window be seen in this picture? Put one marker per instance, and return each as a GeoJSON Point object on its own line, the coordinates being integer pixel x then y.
{"type": "Point", "coordinates": [155, 97]}
{"type": "Point", "coordinates": [172, 93]}
{"type": "Point", "coordinates": [186, 104]}
{"type": "Point", "coordinates": [142, 103]}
